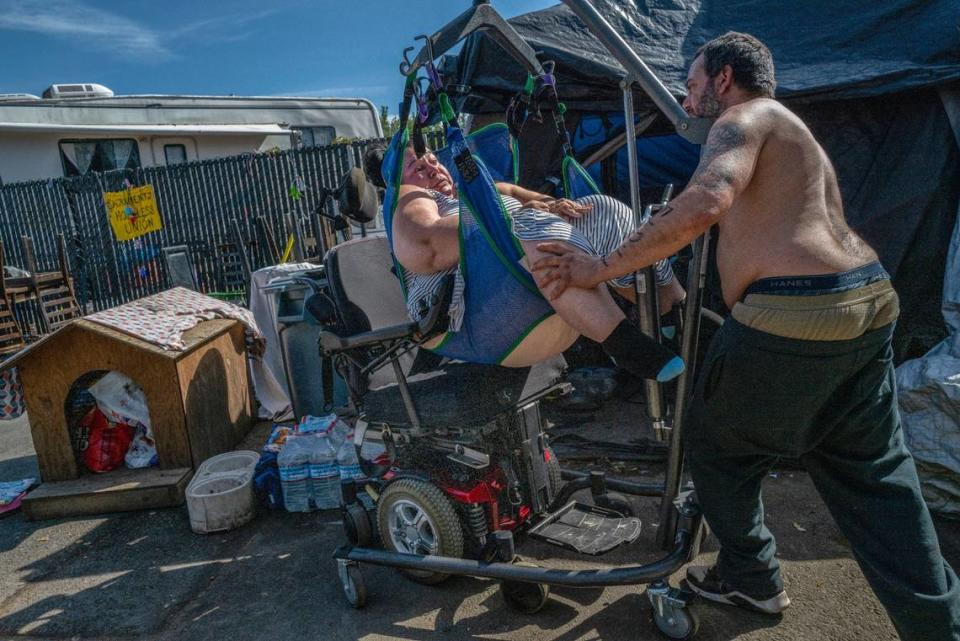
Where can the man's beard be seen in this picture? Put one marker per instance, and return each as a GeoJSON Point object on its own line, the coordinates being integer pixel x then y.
{"type": "Point", "coordinates": [710, 107]}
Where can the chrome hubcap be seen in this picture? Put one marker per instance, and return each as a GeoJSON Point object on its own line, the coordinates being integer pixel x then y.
{"type": "Point", "coordinates": [411, 530]}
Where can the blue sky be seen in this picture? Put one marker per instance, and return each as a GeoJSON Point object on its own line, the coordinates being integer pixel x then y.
{"type": "Point", "coordinates": [242, 47]}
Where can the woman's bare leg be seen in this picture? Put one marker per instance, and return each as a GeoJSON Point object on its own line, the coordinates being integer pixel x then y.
{"type": "Point", "coordinates": [591, 312]}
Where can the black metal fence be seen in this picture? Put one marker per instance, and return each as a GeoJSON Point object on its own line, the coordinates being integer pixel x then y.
{"type": "Point", "coordinates": [222, 210]}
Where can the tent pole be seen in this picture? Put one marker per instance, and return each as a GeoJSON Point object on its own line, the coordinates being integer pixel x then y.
{"type": "Point", "coordinates": [693, 129]}
{"type": "Point", "coordinates": [644, 283]}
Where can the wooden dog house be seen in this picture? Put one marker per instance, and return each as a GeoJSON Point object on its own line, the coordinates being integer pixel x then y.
{"type": "Point", "coordinates": [200, 403]}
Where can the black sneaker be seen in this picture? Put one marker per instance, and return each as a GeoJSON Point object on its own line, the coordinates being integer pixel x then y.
{"type": "Point", "coordinates": [706, 582]}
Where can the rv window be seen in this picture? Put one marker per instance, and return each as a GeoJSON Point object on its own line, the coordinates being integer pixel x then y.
{"type": "Point", "coordinates": [82, 156]}
{"type": "Point", "coordinates": [175, 154]}
{"type": "Point", "coordinates": [316, 136]}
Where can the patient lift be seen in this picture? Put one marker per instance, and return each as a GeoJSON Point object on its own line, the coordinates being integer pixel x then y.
{"type": "Point", "coordinates": [467, 469]}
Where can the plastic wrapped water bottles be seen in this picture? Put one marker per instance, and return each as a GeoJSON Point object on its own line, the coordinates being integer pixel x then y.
{"type": "Point", "coordinates": [324, 476]}
{"type": "Point", "coordinates": [294, 464]}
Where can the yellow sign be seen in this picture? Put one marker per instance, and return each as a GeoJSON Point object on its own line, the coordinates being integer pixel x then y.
{"type": "Point", "coordinates": [132, 212]}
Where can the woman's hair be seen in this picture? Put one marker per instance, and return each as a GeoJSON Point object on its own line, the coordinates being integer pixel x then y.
{"type": "Point", "coordinates": [373, 163]}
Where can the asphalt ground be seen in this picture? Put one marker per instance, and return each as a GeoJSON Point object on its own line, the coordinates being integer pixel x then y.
{"type": "Point", "coordinates": [145, 575]}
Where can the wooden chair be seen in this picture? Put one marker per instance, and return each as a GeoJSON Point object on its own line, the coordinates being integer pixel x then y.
{"type": "Point", "coordinates": [54, 293]}
{"type": "Point", "coordinates": [11, 339]}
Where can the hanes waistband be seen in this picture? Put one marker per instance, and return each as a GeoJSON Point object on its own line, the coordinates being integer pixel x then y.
{"type": "Point", "coordinates": [819, 283]}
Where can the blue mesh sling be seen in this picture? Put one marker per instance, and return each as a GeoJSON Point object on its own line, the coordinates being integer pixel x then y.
{"type": "Point", "coordinates": [502, 302]}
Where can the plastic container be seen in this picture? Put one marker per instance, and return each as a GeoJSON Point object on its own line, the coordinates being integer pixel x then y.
{"type": "Point", "coordinates": [324, 475]}
{"type": "Point", "coordinates": [220, 496]}
{"type": "Point", "coordinates": [294, 464]}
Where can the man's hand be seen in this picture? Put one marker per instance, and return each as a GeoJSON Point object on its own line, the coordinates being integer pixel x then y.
{"type": "Point", "coordinates": [566, 267]}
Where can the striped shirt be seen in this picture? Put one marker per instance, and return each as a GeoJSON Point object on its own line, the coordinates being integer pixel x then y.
{"type": "Point", "coordinates": [598, 232]}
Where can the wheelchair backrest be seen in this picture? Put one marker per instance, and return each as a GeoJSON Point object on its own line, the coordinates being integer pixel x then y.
{"type": "Point", "coordinates": [363, 285]}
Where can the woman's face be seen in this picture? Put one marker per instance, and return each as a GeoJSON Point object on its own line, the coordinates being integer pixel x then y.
{"type": "Point", "coordinates": [427, 172]}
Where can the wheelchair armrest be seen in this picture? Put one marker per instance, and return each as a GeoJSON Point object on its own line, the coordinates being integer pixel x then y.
{"type": "Point", "coordinates": [334, 343]}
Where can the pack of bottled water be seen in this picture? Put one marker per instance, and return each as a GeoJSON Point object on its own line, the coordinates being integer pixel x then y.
{"type": "Point", "coordinates": [315, 461]}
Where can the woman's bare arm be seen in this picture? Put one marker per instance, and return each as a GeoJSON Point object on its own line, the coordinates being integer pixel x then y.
{"type": "Point", "coordinates": [529, 198]}
{"type": "Point", "coordinates": [423, 242]}
{"type": "Point", "coordinates": [522, 194]}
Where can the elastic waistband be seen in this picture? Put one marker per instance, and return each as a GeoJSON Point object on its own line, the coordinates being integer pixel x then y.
{"type": "Point", "coordinates": [820, 283]}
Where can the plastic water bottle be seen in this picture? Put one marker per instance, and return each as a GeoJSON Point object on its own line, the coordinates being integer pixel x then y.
{"type": "Point", "coordinates": [294, 464]}
{"type": "Point", "coordinates": [347, 460]}
{"type": "Point", "coordinates": [324, 477]}
{"type": "Point", "coordinates": [350, 466]}
{"type": "Point", "coordinates": [338, 432]}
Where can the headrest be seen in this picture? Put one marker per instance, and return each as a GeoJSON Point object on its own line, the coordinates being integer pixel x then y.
{"type": "Point", "coordinates": [357, 198]}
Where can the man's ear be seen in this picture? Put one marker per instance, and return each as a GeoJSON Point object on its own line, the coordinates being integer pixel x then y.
{"type": "Point", "coordinates": [723, 80]}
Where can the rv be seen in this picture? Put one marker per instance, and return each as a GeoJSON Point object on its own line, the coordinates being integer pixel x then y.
{"type": "Point", "coordinates": [78, 128]}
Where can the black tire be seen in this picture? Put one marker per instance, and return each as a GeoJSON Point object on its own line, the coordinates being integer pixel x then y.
{"type": "Point", "coordinates": [616, 502]}
{"type": "Point", "coordinates": [440, 532]}
{"type": "Point", "coordinates": [526, 598]}
{"type": "Point", "coordinates": [356, 524]}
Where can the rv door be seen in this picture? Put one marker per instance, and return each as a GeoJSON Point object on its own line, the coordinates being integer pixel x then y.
{"type": "Point", "coordinates": [168, 150]}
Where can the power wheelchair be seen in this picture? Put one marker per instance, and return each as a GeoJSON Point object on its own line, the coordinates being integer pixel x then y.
{"type": "Point", "coordinates": [458, 463]}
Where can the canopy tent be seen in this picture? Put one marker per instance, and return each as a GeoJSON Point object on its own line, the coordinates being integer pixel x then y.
{"type": "Point", "coordinates": [824, 50]}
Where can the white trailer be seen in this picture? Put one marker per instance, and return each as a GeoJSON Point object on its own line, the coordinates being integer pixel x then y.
{"type": "Point", "coordinates": [74, 129]}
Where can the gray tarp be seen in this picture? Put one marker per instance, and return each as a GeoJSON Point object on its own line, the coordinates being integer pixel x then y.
{"type": "Point", "coordinates": [929, 387]}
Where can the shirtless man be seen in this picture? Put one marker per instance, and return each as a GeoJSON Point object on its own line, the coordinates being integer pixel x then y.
{"type": "Point", "coordinates": [803, 368]}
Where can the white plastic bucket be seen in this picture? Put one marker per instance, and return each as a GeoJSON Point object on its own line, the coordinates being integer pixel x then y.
{"type": "Point", "coordinates": [220, 496]}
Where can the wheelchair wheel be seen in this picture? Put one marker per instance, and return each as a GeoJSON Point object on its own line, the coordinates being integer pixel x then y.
{"type": "Point", "coordinates": [526, 598]}
{"type": "Point", "coordinates": [416, 517]}
{"type": "Point", "coordinates": [677, 623]}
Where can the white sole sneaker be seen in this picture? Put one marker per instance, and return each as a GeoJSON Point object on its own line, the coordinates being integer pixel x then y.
{"type": "Point", "coordinates": [774, 605]}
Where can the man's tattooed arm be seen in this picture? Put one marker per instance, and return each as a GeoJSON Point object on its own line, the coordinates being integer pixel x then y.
{"type": "Point", "coordinates": [726, 167]}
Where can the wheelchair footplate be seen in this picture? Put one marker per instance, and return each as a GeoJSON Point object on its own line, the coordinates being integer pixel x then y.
{"type": "Point", "coordinates": [587, 529]}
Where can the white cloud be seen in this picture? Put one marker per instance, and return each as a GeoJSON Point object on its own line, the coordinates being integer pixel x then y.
{"type": "Point", "coordinates": [222, 28]}
{"type": "Point", "coordinates": [95, 27]}
{"type": "Point", "coordinates": [102, 30]}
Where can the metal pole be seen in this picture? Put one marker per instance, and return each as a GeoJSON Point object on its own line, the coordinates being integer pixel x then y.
{"type": "Point", "coordinates": [693, 129]}
{"type": "Point", "coordinates": [696, 280]}
{"type": "Point", "coordinates": [643, 281]}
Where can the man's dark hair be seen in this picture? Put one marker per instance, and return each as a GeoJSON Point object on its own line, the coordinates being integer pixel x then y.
{"type": "Point", "coordinates": [373, 163]}
{"type": "Point", "coordinates": [749, 58]}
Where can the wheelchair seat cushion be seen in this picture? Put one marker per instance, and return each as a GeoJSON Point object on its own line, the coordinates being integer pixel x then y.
{"type": "Point", "coordinates": [460, 395]}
